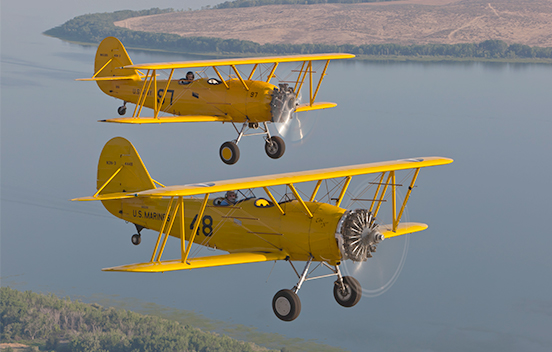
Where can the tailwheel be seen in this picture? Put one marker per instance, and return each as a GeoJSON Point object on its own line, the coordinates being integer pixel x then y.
{"type": "Point", "coordinates": [275, 147]}
{"type": "Point", "coordinates": [122, 109]}
{"type": "Point", "coordinates": [286, 305]}
{"type": "Point", "coordinates": [136, 239]}
{"type": "Point", "coordinates": [349, 293]}
{"type": "Point", "coordinates": [229, 153]}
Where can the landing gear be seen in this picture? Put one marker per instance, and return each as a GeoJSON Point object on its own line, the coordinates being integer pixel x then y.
{"type": "Point", "coordinates": [286, 305]}
{"type": "Point", "coordinates": [275, 147]}
{"type": "Point", "coordinates": [347, 292]}
{"type": "Point", "coordinates": [229, 153]}
{"type": "Point", "coordinates": [122, 109]}
{"type": "Point", "coordinates": [137, 238]}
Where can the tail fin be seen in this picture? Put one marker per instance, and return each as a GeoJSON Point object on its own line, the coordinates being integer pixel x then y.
{"type": "Point", "coordinates": [121, 169]}
{"type": "Point", "coordinates": [110, 57]}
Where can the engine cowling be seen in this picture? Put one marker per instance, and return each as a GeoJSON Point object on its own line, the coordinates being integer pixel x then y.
{"type": "Point", "coordinates": [357, 235]}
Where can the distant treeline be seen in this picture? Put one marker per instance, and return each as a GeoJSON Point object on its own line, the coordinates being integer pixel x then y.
{"type": "Point", "coordinates": [251, 3]}
{"type": "Point", "coordinates": [92, 28]}
{"type": "Point", "coordinates": [62, 325]}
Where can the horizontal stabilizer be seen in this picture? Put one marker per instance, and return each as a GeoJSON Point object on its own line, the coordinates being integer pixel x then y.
{"type": "Point", "coordinates": [169, 119]}
{"type": "Point", "coordinates": [315, 106]}
{"type": "Point", "coordinates": [109, 78]}
{"type": "Point", "coordinates": [108, 196]}
{"type": "Point", "coordinates": [403, 228]}
{"type": "Point", "coordinates": [200, 262]}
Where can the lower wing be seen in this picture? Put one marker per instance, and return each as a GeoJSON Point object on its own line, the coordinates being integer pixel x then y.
{"type": "Point", "coordinates": [200, 262]}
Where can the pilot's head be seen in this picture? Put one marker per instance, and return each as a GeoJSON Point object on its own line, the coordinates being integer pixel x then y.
{"type": "Point", "coordinates": [231, 196]}
{"type": "Point", "coordinates": [190, 76]}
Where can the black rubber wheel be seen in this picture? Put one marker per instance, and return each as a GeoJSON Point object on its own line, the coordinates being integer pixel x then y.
{"type": "Point", "coordinates": [286, 305]}
{"type": "Point", "coordinates": [121, 110]}
{"type": "Point", "coordinates": [136, 239]}
{"type": "Point", "coordinates": [352, 293]}
{"type": "Point", "coordinates": [275, 147]}
{"type": "Point", "coordinates": [229, 153]}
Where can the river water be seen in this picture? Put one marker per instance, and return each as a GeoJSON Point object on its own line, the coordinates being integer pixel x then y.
{"type": "Point", "coordinates": [478, 279]}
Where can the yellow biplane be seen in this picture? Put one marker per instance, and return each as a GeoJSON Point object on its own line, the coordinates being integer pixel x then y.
{"type": "Point", "coordinates": [236, 98]}
{"type": "Point", "coordinates": [256, 229]}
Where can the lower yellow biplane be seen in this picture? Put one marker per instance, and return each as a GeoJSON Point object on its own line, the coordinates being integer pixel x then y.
{"type": "Point", "coordinates": [243, 97]}
{"type": "Point", "coordinates": [255, 229]}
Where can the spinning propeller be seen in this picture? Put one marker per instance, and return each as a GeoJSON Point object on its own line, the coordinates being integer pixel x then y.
{"type": "Point", "coordinates": [360, 238]}
{"type": "Point", "coordinates": [290, 126]}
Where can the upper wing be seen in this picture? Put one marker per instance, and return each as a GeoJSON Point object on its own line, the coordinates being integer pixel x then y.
{"type": "Point", "coordinates": [200, 262]}
{"type": "Point", "coordinates": [278, 179]}
{"type": "Point", "coordinates": [294, 177]}
{"type": "Point", "coordinates": [239, 61]}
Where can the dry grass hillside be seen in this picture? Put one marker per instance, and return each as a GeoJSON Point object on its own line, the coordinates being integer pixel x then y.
{"type": "Point", "coordinates": [402, 22]}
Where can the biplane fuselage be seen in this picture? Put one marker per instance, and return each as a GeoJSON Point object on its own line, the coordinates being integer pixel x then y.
{"type": "Point", "coordinates": [200, 97]}
{"type": "Point", "coordinates": [246, 226]}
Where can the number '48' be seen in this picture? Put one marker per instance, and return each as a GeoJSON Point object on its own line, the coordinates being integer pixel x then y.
{"type": "Point", "coordinates": [206, 224]}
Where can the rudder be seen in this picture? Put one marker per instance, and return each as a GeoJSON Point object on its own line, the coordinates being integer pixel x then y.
{"type": "Point", "coordinates": [120, 162]}
{"type": "Point", "coordinates": [110, 56]}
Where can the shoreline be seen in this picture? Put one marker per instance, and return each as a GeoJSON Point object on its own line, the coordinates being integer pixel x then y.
{"type": "Point", "coordinates": [358, 57]}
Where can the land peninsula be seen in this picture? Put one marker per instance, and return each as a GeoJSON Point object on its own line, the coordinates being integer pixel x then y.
{"type": "Point", "coordinates": [504, 30]}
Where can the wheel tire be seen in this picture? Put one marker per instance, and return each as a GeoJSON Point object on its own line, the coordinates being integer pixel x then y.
{"type": "Point", "coordinates": [229, 153]}
{"type": "Point", "coordinates": [136, 239]}
{"type": "Point", "coordinates": [275, 147]}
{"type": "Point", "coordinates": [286, 305]}
{"type": "Point", "coordinates": [352, 293]}
{"type": "Point", "coordinates": [121, 110]}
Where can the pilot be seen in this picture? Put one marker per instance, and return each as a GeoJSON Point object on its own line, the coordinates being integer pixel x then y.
{"type": "Point", "coordinates": [189, 78]}
{"type": "Point", "coordinates": [230, 198]}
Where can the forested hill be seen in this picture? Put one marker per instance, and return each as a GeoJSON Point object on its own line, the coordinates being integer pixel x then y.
{"type": "Point", "coordinates": [92, 28]}
{"type": "Point", "coordinates": [56, 324]}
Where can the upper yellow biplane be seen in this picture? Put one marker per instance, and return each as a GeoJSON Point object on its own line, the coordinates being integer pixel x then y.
{"type": "Point", "coordinates": [243, 96]}
{"type": "Point", "coordinates": [302, 225]}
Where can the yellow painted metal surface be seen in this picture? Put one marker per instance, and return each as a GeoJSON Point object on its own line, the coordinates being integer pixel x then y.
{"type": "Point", "coordinates": [295, 177]}
{"type": "Point", "coordinates": [200, 262]}
{"type": "Point", "coordinates": [315, 106]}
{"type": "Point", "coordinates": [117, 154]}
{"type": "Point", "coordinates": [240, 61]}
{"type": "Point", "coordinates": [168, 119]}
{"type": "Point", "coordinates": [402, 229]}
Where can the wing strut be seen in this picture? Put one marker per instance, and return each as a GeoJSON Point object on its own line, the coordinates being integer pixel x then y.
{"type": "Point", "coordinates": [406, 197]}
{"type": "Point", "coordinates": [156, 111]}
{"type": "Point", "coordinates": [378, 197]}
{"type": "Point", "coordinates": [196, 226]}
{"type": "Point", "coordinates": [307, 68]}
{"type": "Point", "coordinates": [298, 197]}
{"type": "Point", "coordinates": [274, 200]}
{"type": "Point", "coordinates": [240, 77]}
{"type": "Point", "coordinates": [220, 76]}
{"type": "Point", "coordinates": [316, 188]}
